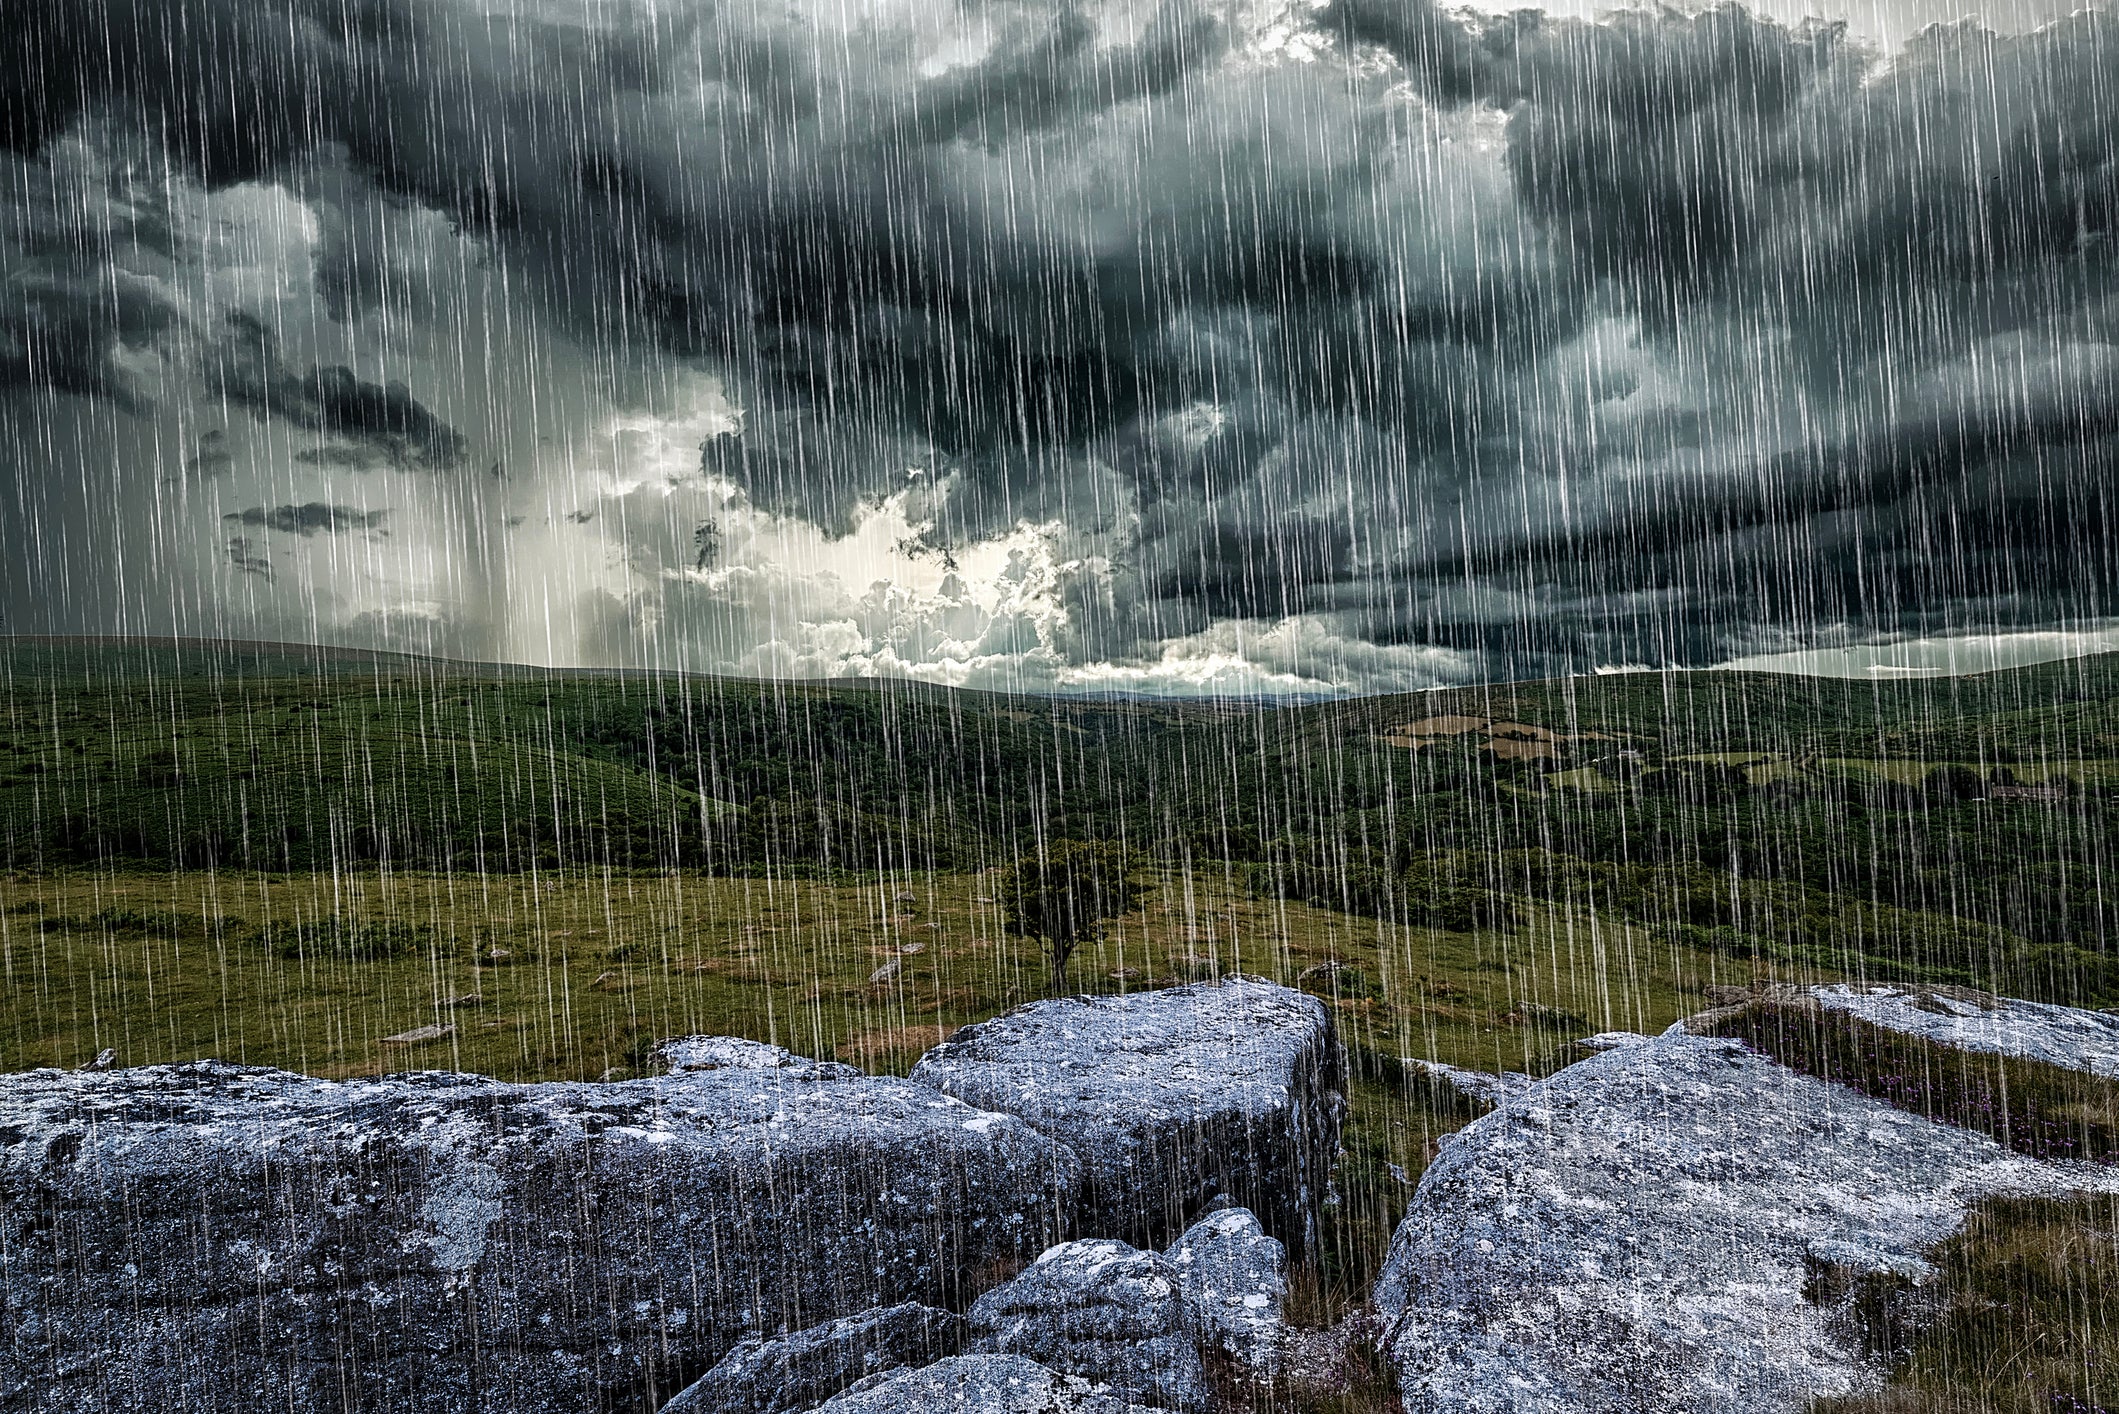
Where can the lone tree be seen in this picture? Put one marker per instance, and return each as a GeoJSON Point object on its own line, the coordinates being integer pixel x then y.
{"type": "Point", "coordinates": [1065, 894]}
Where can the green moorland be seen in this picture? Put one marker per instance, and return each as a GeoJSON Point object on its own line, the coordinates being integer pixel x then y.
{"type": "Point", "coordinates": [291, 856]}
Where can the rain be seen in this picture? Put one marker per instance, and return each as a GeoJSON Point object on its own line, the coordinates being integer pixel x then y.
{"type": "Point", "coordinates": [1027, 706]}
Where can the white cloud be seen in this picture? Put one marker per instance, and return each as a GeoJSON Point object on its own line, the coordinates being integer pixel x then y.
{"type": "Point", "coordinates": [1941, 656]}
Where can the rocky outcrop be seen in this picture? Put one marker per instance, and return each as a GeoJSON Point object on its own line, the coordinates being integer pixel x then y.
{"type": "Point", "coordinates": [216, 1237]}
{"type": "Point", "coordinates": [798, 1372]}
{"type": "Point", "coordinates": [1972, 1021]}
{"type": "Point", "coordinates": [1233, 1088]}
{"type": "Point", "coordinates": [1638, 1232]}
{"type": "Point", "coordinates": [1104, 1311]}
{"type": "Point", "coordinates": [978, 1384]}
{"type": "Point", "coordinates": [1234, 1281]}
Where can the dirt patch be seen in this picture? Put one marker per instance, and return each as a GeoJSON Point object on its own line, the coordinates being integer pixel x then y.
{"type": "Point", "coordinates": [1440, 726]}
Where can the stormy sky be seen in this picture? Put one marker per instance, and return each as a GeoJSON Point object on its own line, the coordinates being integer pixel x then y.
{"type": "Point", "coordinates": [1168, 347]}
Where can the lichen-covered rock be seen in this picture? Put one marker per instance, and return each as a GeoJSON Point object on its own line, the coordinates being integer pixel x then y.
{"type": "Point", "coordinates": [684, 1054]}
{"type": "Point", "coordinates": [1104, 1311]}
{"type": "Point", "coordinates": [1969, 1021]}
{"type": "Point", "coordinates": [978, 1384]}
{"type": "Point", "coordinates": [1637, 1232]}
{"type": "Point", "coordinates": [797, 1372]}
{"type": "Point", "coordinates": [1234, 1280]}
{"type": "Point", "coordinates": [215, 1237]}
{"type": "Point", "coordinates": [1235, 1088]}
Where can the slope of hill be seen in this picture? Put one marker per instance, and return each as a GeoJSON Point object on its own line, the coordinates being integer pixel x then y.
{"type": "Point", "coordinates": [1957, 828]}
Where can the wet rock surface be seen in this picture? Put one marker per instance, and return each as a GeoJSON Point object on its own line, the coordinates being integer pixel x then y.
{"type": "Point", "coordinates": [1638, 1231]}
{"type": "Point", "coordinates": [978, 1384]}
{"type": "Point", "coordinates": [1969, 1021]}
{"type": "Point", "coordinates": [1233, 1088]}
{"type": "Point", "coordinates": [796, 1372]}
{"type": "Point", "coordinates": [1104, 1311]}
{"type": "Point", "coordinates": [1234, 1282]}
{"type": "Point", "coordinates": [683, 1055]}
{"type": "Point", "coordinates": [1480, 1086]}
{"type": "Point", "coordinates": [216, 1237]}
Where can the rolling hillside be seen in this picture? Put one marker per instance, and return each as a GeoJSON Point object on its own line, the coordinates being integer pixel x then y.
{"type": "Point", "coordinates": [1953, 828]}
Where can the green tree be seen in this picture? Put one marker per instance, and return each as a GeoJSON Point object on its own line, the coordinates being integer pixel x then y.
{"type": "Point", "coordinates": [1066, 894]}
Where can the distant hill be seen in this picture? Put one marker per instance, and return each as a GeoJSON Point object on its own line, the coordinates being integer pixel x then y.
{"type": "Point", "coordinates": [1984, 799]}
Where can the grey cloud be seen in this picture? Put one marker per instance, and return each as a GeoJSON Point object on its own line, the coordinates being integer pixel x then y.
{"type": "Point", "coordinates": [309, 518]}
{"type": "Point", "coordinates": [244, 555]}
{"type": "Point", "coordinates": [377, 424]}
{"type": "Point", "coordinates": [71, 296]}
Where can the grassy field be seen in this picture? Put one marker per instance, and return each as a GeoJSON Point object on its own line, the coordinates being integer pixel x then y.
{"type": "Point", "coordinates": [315, 972]}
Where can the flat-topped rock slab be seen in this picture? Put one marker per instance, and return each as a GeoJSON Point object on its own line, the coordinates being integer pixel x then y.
{"type": "Point", "coordinates": [1234, 1088]}
{"type": "Point", "coordinates": [217, 1237]}
{"type": "Point", "coordinates": [2058, 1035]}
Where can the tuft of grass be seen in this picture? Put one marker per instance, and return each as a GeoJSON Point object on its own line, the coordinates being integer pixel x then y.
{"type": "Point", "coordinates": [2024, 1317]}
{"type": "Point", "coordinates": [348, 940]}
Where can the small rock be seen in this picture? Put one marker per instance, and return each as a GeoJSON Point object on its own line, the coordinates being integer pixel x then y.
{"type": "Point", "coordinates": [1482, 1086]}
{"type": "Point", "coordinates": [496, 957]}
{"type": "Point", "coordinates": [1104, 1311]}
{"type": "Point", "coordinates": [611, 982]}
{"type": "Point", "coordinates": [105, 1059]}
{"type": "Point", "coordinates": [977, 1384]}
{"type": "Point", "coordinates": [1234, 1279]}
{"type": "Point", "coordinates": [885, 973]}
{"type": "Point", "coordinates": [800, 1371]}
{"type": "Point", "coordinates": [685, 1054]}
{"type": "Point", "coordinates": [419, 1036]}
{"type": "Point", "coordinates": [468, 999]}
{"type": "Point", "coordinates": [1612, 1040]}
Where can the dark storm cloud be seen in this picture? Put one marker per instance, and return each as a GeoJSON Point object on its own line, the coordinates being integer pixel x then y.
{"type": "Point", "coordinates": [1303, 347]}
{"type": "Point", "coordinates": [376, 425]}
{"type": "Point", "coordinates": [309, 518]}
{"type": "Point", "coordinates": [1049, 68]}
{"type": "Point", "coordinates": [71, 300]}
